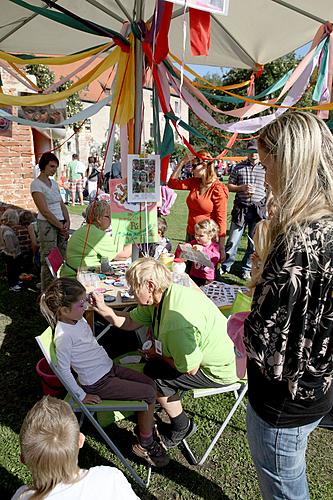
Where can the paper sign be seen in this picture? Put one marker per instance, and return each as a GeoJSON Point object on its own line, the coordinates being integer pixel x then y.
{"type": "Point", "coordinates": [196, 256]}
{"type": "Point", "coordinates": [129, 219]}
{"type": "Point", "coordinates": [6, 125]}
{"type": "Point", "coordinates": [144, 178]}
{"type": "Point", "coordinates": [215, 6]}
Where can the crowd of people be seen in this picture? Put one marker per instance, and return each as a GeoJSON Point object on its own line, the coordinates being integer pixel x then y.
{"type": "Point", "coordinates": [284, 197]}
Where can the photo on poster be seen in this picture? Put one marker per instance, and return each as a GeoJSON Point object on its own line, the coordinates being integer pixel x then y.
{"type": "Point", "coordinates": [51, 113]}
{"type": "Point", "coordinates": [6, 125]}
{"type": "Point", "coordinates": [144, 178]}
{"type": "Point", "coordinates": [215, 6]}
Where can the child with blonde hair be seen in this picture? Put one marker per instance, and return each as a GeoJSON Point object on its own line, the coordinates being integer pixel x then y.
{"type": "Point", "coordinates": [50, 441]}
{"type": "Point", "coordinates": [10, 247]}
{"type": "Point", "coordinates": [206, 240]}
{"type": "Point", "coordinates": [63, 304]}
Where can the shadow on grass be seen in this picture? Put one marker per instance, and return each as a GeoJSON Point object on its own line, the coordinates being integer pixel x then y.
{"type": "Point", "coordinates": [180, 476]}
{"type": "Point", "coordinates": [9, 484]}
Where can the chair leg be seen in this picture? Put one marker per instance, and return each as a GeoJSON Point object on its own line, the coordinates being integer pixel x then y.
{"type": "Point", "coordinates": [193, 459]}
{"type": "Point", "coordinates": [116, 451]}
{"type": "Point", "coordinates": [106, 329]}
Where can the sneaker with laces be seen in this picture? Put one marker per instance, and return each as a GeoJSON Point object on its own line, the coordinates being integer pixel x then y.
{"type": "Point", "coordinates": [171, 438]}
{"type": "Point", "coordinates": [154, 454]}
{"type": "Point", "coordinates": [15, 288]}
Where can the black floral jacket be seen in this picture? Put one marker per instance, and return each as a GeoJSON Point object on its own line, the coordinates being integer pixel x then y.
{"type": "Point", "coordinates": [289, 332]}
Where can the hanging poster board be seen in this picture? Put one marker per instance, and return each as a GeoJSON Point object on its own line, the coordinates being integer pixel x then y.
{"type": "Point", "coordinates": [51, 113]}
{"type": "Point", "coordinates": [144, 178]}
{"type": "Point", "coordinates": [215, 6]}
{"type": "Point", "coordinates": [129, 219]}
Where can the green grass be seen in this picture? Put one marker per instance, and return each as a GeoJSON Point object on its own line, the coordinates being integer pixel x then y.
{"type": "Point", "coordinates": [228, 473]}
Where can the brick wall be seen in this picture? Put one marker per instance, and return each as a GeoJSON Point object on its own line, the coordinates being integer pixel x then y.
{"type": "Point", "coordinates": [16, 158]}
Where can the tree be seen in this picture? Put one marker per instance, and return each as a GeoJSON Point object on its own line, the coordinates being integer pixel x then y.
{"type": "Point", "coordinates": [45, 77]}
{"type": "Point", "coordinates": [272, 72]}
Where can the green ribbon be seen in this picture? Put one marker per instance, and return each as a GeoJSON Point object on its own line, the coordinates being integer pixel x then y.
{"type": "Point", "coordinates": [168, 143]}
{"type": "Point", "coordinates": [67, 20]}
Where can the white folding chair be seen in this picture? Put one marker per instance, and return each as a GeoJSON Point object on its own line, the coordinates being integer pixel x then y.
{"type": "Point", "coordinates": [239, 391]}
{"type": "Point", "coordinates": [46, 344]}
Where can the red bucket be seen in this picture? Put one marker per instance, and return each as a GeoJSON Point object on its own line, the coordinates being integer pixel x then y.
{"type": "Point", "coordinates": [51, 385]}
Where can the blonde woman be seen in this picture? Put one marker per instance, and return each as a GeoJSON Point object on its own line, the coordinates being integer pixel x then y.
{"type": "Point", "coordinates": [289, 332]}
{"type": "Point", "coordinates": [99, 243]}
{"type": "Point", "coordinates": [208, 197]}
{"type": "Point", "coordinates": [193, 348]}
{"type": "Point", "coordinates": [50, 441]}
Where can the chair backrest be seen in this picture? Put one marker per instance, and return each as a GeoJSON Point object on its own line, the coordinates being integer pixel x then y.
{"type": "Point", "coordinates": [54, 261]}
{"type": "Point", "coordinates": [46, 343]}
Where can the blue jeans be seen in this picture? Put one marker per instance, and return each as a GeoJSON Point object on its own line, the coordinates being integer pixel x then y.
{"type": "Point", "coordinates": [279, 457]}
{"type": "Point", "coordinates": [235, 235]}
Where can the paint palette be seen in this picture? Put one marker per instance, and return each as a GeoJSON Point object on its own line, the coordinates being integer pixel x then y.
{"type": "Point", "coordinates": [221, 293]}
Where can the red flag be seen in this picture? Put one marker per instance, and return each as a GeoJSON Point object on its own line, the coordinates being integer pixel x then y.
{"type": "Point", "coordinates": [199, 32]}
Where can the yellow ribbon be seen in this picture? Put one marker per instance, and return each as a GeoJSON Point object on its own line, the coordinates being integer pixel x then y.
{"type": "Point", "coordinates": [42, 100]}
{"type": "Point", "coordinates": [54, 61]}
{"type": "Point", "coordinates": [208, 83]}
{"type": "Point", "coordinates": [124, 89]}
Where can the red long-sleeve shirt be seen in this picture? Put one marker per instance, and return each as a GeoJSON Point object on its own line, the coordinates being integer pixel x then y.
{"type": "Point", "coordinates": [210, 205]}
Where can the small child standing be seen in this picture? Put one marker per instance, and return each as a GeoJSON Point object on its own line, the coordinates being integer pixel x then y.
{"type": "Point", "coordinates": [206, 240]}
{"type": "Point", "coordinates": [10, 246]}
{"type": "Point", "coordinates": [28, 220]}
{"type": "Point", "coordinates": [63, 305]}
{"type": "Point", "coordinates": [163, 244]}
{"type": "Point", "coordinates": [50, 440]}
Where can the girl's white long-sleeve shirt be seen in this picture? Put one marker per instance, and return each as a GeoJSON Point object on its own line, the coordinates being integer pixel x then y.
{"type": "Point", "coordinates": [77, 348]}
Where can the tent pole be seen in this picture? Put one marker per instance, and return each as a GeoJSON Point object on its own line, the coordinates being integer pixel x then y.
{"type": "Point", "coordinates": [300, 11]}
{"type": "Point", "coordinates": [138, 82]}
{"type": "Point", "coordinates": [138, 99]}
{"type": "Point", "coordinates": [107, 11]}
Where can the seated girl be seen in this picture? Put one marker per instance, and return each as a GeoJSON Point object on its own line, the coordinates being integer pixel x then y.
{"type": "Point", "coordinates": [63, 304]}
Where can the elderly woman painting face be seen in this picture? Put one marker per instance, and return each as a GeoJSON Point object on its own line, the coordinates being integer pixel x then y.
{"type": "Point", "coordinates": [148, 279]}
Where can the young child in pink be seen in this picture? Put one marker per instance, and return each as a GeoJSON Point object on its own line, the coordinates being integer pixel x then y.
{"type": "Point", "coordinates": [206, 241]}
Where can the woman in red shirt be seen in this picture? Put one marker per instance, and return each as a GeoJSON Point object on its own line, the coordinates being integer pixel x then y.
{"type": "Point", "coordinates": [208, 197]}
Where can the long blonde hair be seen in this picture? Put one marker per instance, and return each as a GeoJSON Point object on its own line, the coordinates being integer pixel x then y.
{"type": "Point", "coordinates": [49, 440]}
{"type": "Point", "coordinates": [301, 146]}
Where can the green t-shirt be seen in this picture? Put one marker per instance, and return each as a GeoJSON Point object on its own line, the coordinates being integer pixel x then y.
{"type": "Point", "coordinates": [73, 175]}
{"type": "Point", "coordinates": [193, 332]}
{"type": "Point", "coordinates": [99, 245]}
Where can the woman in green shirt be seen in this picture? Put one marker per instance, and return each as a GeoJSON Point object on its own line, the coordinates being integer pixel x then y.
{"type": "Point", "coordinates": [99, 243]}
{"type": "Point", "coordinates": [193, 348]}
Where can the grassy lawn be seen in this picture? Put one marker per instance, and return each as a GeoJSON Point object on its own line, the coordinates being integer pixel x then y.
{"type": "Point", "coordinates": [228, 474]}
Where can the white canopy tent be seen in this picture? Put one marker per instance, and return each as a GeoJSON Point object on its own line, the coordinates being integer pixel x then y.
{"type": "Point", "coordinates": [255, 31]}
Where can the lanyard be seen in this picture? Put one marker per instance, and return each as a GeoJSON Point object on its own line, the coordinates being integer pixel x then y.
{"type": "Point", "coordinates": [157, 315]}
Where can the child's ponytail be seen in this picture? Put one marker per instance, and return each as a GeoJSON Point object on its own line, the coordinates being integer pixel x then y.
{"type": "Point", "coordinates": [46, 312]}
{"type": "Point", "coordinates": [63, 292]}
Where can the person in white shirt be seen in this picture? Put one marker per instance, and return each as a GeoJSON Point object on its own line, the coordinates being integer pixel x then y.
{"type": "Point", "coordinates": [63, 305]}
{"type": "Point", "coordinates": [50, 440]}
{"type": "Point", "coordinates": [53, 219]}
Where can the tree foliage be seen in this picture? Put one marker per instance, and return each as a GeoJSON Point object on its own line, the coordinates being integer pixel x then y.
{"type": "Point", "coordinates": [272, 73]}
{"type": "Point", "coordinates": [45, 77]}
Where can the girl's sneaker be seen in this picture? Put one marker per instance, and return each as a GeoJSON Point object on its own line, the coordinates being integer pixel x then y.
{"type": "Point", "coordinates": [15, 288]}
{"type": "Point", "coordinates": [154, 454]}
